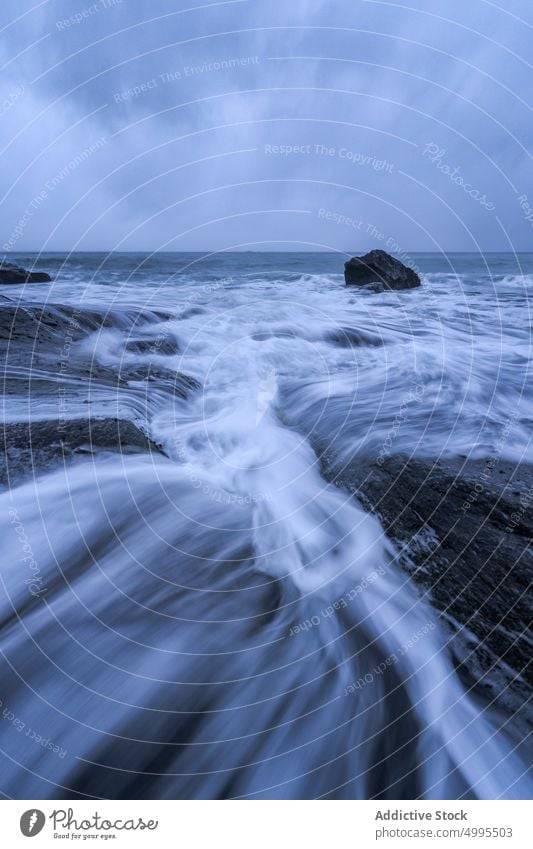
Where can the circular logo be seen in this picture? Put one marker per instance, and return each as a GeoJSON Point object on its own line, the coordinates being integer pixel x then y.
{"type": "Point", "coordinates": [32, 822]}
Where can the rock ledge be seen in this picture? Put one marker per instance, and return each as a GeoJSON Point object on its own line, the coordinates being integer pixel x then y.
{"type": "Point", "coordinates": [13, 274]}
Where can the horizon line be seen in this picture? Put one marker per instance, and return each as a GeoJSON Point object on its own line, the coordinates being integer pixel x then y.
{"type": "Point", "coordinates": [226, 251]}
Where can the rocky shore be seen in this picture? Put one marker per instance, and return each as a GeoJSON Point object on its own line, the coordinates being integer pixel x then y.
{"type": "Point", "coordinates": [378, 271]}
{"type": "Point", "coordinates": [45, 362]}
{"type": "Point", "coordinates": [463, 531]}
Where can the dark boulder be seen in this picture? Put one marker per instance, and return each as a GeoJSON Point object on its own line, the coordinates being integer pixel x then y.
{"type": "Point", "coordinates": [462, 531]}
{"type": "Point", "coordinates": [14, 274]}
{"type": "Point", "coordinates": [350, 337]}
{"type": "Point", "coordinates": [379, 271]}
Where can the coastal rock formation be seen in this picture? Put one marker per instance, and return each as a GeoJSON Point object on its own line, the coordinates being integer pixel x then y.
{"type": "Point", "coordinates": [467, 547]}
{"type": "Point", "coordinates": [351, 337]}
{"type": "Point", "coordinates": [13, 274]}
{"type": "Point", "coordinates": [378, 271]}
{"type": "Point", "coordinates": [48, 360]}
{"type": "Point", "coordinates": [31, 448]}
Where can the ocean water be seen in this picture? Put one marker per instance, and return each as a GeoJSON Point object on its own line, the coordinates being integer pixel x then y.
{"type": "Point", "coordinates": [343, 362]}
{"type": "Point", "coordinates": [220, 622]}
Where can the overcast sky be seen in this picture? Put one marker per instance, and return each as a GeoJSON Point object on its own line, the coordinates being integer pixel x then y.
{"type": "Point", "coordinates": [266, 124]}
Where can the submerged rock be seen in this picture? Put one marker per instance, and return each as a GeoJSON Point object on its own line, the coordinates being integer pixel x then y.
{"type": "Point", "coordinates": [12, 274]}
{"type": "Point", "coordinates": [178, 383]}
{"type": "Point", "coordinates": [350, 337]}
{"type": "Point", "coordinates": [379, 271]}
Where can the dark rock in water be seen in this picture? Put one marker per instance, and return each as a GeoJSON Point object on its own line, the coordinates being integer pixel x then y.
{"type": "Point", "coordinates": [463, 532]}
{"type": "Point", "coordinates": [27, 323]}
{"type": "Point", "coordinates": [180, 384]}
{"type": "Point", "coordinates": [349, 337]}
{"type": "Point", "coordinates": [156, 345]}
{"type": "Point", "coordinates": [14, 274]}
{"type": "Point", "coordinates": [29, 448]}
{"type": "Point", "coordinates": [35, 339]}
{"type": "Point", "coordinates": [379, 271]}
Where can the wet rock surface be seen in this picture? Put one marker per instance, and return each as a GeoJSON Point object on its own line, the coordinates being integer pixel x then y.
{"type": "Point", "coordinates": [351, 337]}
{"type": "Point", "coordinates": [49, 363]}
{"type": "Point", "coordinates": [13, 274]}
{"type": "Point", "coordinates": [463, 532]}
{"type": "Point", "coordinates": [39, 346]}
{"type": "Point", "coordinates": [378, 271]}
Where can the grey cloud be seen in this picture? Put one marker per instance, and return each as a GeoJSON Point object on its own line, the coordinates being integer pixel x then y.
{"type": "Point", "coordinates": [377, 82]}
